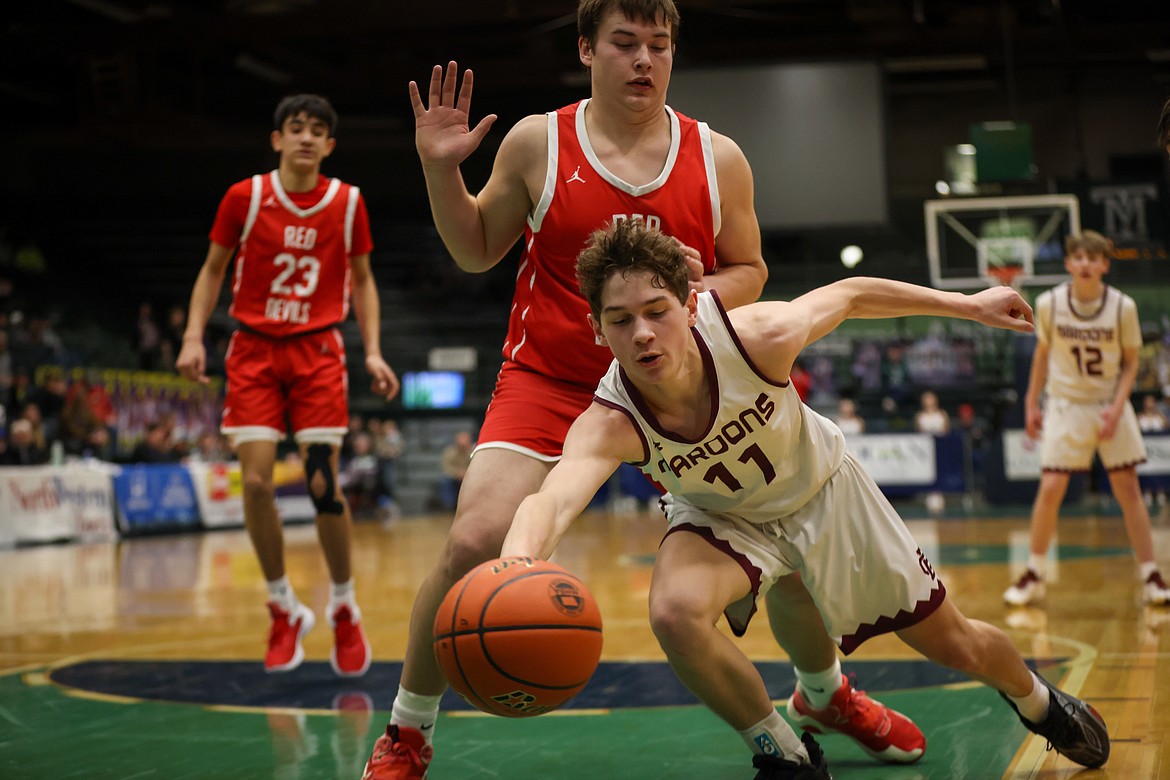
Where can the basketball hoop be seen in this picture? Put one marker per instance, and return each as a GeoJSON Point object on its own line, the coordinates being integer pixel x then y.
{"type": "Point", "coordinates": [1007, 275]}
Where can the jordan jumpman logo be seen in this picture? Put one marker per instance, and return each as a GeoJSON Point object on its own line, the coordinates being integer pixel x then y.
{"type": "Point", "coordinates": [576, 176]}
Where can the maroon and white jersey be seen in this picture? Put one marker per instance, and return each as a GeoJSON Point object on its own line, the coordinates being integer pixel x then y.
{"type": "Point", "coordinates": [762, 455]}
{"type": "Point", "coordinates": [292, 271]}
{"type": "Point", "coordinates": [1086, 342]}
{"type": "Point", "coordinates": [547, 328]}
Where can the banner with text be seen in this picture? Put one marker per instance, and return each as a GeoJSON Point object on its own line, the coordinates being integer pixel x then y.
{"type": "Point", "coordinates": [51, 503]}
{"type": "Point", "coordinates": [896, 458]}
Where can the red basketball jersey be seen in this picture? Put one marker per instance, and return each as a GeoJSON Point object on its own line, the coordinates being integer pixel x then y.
{"type": "Point", "coordinates": [547, 329]}
{"type": "Point", "coordinates": [292, 272]}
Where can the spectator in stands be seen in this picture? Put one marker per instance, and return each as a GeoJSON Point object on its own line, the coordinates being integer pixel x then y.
{"type": "Point", "coordinates": [50, 399]}
{"type": "Point", "coordinates": [81, 432]}
{"type": "Point", "coordinates": [848, 420]}
{"type": "Point", "coordinates": [149, 339]}
{"type": "Point", "coordinates": [154, 447]}
{"type": "Point", "coordinates": [800, 380]}
{"type": "Point", "coordinates": [388, 445]}
{"type": "Point", "coordinates": [932, 419]}
{"type": "Point", "coordinates": [456, 459]}
{"type": "Point", "coordinates": [210, 447]}
{"type": "Point", "coordinates": [22, 450]}
{"type": "Point", "coordinates": [359, 476]}
{"type": "Point", "coordinates": [1150, 418]}
{"type": "Point", "coordinates": [32, 412]}
{"type": "Point", "coordinates": [171, 338]}
{"type": "Point", "coordinates": [7, 369]}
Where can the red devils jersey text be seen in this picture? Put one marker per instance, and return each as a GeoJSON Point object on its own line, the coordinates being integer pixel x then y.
{"type": "Point", "coordinates": [292, 272]}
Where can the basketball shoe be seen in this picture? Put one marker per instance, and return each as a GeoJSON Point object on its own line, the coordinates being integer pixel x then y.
{"type": "Point", "coordinates": [284, 638]}
{"type": "Point", "coordinates": [350, 656]}
{"type": "Point", "coordinates": [1156, 593]}
{"type": "Point", "coordinates": [401, 753]}
{"type": "Point", "coordinates": [1072, 728]}
{"type": "Point", "coordinates": [883, 733]}
{"type": "Point", "coordinates": [776, 768]}
{"type": "Point", "coordinates": [1028, 588]}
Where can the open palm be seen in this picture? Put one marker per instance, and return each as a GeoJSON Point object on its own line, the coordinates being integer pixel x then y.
{"type": "Point", "coordinates": [442, 132]}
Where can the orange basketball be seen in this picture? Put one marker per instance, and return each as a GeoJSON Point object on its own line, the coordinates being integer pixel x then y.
{"type": "Point", "coordinates": [518, 637]}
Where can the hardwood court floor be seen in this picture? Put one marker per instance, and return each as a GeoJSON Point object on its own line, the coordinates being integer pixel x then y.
{"type": "Point", "coordinates": [140, 659]}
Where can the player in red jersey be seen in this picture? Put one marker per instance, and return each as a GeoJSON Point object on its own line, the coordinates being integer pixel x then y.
{"type": "Point", "coordinates": [622, 154]}
{"type": "Point", "coordinates": [304, 246]}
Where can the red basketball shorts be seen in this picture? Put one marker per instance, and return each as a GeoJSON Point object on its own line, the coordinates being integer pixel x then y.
{"type": "Point", "coordinates": [303, 377]}
{"type": "Point", "coordinates": [531, 413]}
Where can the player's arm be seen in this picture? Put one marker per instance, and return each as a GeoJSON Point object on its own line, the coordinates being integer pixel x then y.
{"type": "Point", "coordinates": [597, 443]}
{"type": "Point", "coordinates": [774, 333]}
{"type": "Point", "coordinates": [741, 272]}
{"type": "Point", "coordinates": [192, 360]}
{"type": "Point", "coordinates": [477, 230]}
{"type": "Point", "coordinates": [367, 311]}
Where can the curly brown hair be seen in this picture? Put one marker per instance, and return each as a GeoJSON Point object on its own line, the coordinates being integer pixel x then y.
{"type": "Point", "coordinates": [590, 14]}
{"type": "Point", "coordinates": [629, 247]}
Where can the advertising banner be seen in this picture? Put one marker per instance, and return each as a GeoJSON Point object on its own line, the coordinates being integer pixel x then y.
{"type": "Point", "coordinates": [52, 503]}
{"type": "Point", "coordinates": [153, 496]}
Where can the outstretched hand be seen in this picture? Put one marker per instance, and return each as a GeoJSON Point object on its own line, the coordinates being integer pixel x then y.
{"type": "Point", "coordinates": [1003, 307]}
{"type": "Point", "coordinates": [441, 127]}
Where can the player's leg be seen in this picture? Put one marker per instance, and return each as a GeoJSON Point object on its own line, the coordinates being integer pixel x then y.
{"type": "Point", "coordinates": [985, 653]}
{"type": "Point", "coordinates": [825, 699]}
{"type": "Point", "coordinates": [1127, 491]}
{"type": "Point", "coordinates": [319, 412]}
{"type": "Point", "coordinates": [692, 584]}
{"type": "Point", "coordinates": [254, 419]}
{"type": "Point", "coordinates": [496, 482]}
{"type": "Point", "coordinates": [261, 520]}
{"type": "Point", "coordinates": [1119, 454]}
{"type": "Point", "coordinates": [1042, 529]}
{"type": "Point", "coordinates": [1068, 442]}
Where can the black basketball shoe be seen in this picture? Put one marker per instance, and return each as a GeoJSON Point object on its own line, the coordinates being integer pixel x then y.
{"type": "Point", "coordinates": [1072, 728]}
{"type": "Point", "coordinates": [776, 768]}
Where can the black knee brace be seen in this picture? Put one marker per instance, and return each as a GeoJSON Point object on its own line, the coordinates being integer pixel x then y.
{"type": "Point", "coordinates": [317, 462]}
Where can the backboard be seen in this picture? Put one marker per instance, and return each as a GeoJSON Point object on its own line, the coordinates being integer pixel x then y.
{"type": "Point", "coordinates": [978, 242]}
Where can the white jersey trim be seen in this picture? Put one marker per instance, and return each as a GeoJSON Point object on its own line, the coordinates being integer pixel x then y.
{"type": "Point", "coordinates": [282, 196]}
{"type": "Point", "coordinates": [712, 176]}
{"type": "Point", "coordinates": [621, 184]}
{"type": "Point", "coordinates": [253, 207]}
{"type": "Point", "coordinates": [504, 445]}
{"type": "Point", "coordinates": [536, 218]}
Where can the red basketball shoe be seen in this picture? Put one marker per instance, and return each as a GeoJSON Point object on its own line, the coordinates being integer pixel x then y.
{"type": "Point", "coordinates": [284, 638]}
{"type": "Point", "coordinates": [350, 656]}
{"type": "Point", "coordinates": [401, 753]}
{"type": "Point", "coordinates": [883, 733]}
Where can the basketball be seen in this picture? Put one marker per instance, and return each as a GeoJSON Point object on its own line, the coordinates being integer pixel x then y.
{"type": "Point", "coordinates": [518, 637]}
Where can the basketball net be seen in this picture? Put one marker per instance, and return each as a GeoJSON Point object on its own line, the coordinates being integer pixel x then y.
{"type": "Point", "coordinates": [1007, 275]}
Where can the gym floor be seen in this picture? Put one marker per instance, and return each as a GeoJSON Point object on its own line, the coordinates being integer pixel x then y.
{"type": "Point", "coordinates": [141, 659]}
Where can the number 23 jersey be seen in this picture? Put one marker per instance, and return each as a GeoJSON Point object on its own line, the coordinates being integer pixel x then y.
{"type": "Point", "coordinates": [762, 455]}
{"type": "Point", "coordinates": [292, 272]}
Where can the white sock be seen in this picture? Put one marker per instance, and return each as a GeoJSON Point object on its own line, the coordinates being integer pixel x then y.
{"type": "Point", "coordinates": [1034, 706]}
{"type": "Point", "coordinates": [415, 711]}
{"type": "Point", "coordinates": [1146, 569]}
{"type": "Point", "coordinates": [281, 592]}
{"type": "Point", "coordinates": [818, 688]}
{"type": "Point", "coordinates": [1036, 563]}
{"type": "Point", "coordinates": [341, 594]}
{"type": "Point", "coordinates": [772, 736]}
